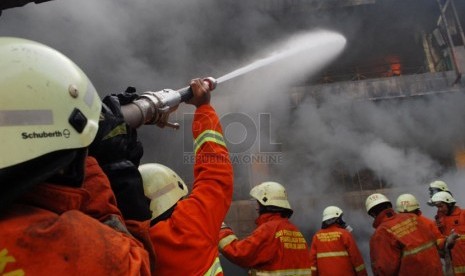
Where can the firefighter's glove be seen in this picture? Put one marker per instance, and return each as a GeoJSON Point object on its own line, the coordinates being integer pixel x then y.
{"type": "Point", "coordinates": [115, 140]}
{"type": "Point", "coordinates": [118, 152]}
{"type": "Point", "coordinates": [450, 240]}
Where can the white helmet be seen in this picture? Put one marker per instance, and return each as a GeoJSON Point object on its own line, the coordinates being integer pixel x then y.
{"type": "Point", "coordinates": [406, 203]}
{"type": "Point", "coordinates": [439, 185]}
{"type": "Point", "coordinates": [442, 197]}
{"type": "Point", "coordinates": [163, 186]}
{"type": "Point", "coordinates": [331, 212]}
{"type": "Point", "coordinates": [47, 103]}
{"type": "Point", "coordinates": [271, 194]}
{"type": "Point", "coordinates": [374, 200]}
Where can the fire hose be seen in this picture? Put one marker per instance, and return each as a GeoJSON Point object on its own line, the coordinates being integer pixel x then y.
{"type": "Point", "coordinates": [154, 108]}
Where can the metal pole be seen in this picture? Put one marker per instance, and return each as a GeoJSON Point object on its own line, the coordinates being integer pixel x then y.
{"type": "Point", "coordinates": [450, 42]}
{"type": "Point", "coordinates": [457, 21]}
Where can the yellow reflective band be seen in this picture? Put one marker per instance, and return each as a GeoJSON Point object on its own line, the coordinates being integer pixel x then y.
{"type": "Point", "coordinates": [284, 272]}
{"type": "Point", "coordinates": [208, 136]}
{"type": "Point", "coordinates": [18, 272]}
{"type": "Point", "coordinates": [226, 240]}
{"type": "Point", "coordinates": [418, 249]}
{"type": "Point", "coordinates": [313, 268]}
{"type": "Point", "coordinates": [215, 268]}
{"type": "Point", "coordinates": [439, 241]}
{"type": "Point", "coordinates": [332, 254]}
{"type": "Point", "coordinates": [360, 268]}
{"type": "Point", "coordinates": [459, 269]}
{"type": "Point", "coordinates": [26, 117]}
{"type": "Point", "coordinates": [118, 130]}
{"type": "Point", "coordinates": [4, 259]}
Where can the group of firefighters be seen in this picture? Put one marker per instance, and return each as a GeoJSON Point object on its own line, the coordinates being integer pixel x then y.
{"type": "Point", "coordinates": [75, 199]}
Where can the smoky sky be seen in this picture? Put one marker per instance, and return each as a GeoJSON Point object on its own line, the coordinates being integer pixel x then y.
{"type": "Point", "coordinates": [153, 45]}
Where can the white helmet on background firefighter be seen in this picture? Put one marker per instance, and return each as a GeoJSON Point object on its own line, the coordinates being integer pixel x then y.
{"type": "Point", "coordinates": [331, 212]}
{"type": "Point", "coordinates": [443, 197]}
{"type": "Point", "coordinates": [440, 198]}
{"type": "Point", "coordinates": [49, 112]}
{"type": "Point", "coordinates": [407, 203]}
{"type": "Point", "coordinates": [332, 215]}
{"type": "Point", "coordinates": [272, 197]}
{"type": "Point", "coordinates": [438, 186]}
{"type": "Point", "coordinates": [375, 200]}
{"type": "Point", "coordinates": [162, 186]}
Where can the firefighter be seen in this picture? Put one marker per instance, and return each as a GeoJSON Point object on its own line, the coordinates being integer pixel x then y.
{"type": "Point", "coordinates": [407, 203]}
{"type": "Point", "coordinates": [276, 246]}
{"type": "Point", "coordinates": [434, 187]}
{"type": "Point", "coordinates": [401, 243]}
{"type": "Point", "coordinates": [58, 213]}
{"type": "Point", "coordinates": [437, 186]}
{"type": "Point", "coordinates": [333, 250]}
{"type": "Point", "coordinates": [184, 230]}
{"type": "Point", "coordinates": [453, 221]}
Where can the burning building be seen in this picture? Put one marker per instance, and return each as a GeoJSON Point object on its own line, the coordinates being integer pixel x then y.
{"type": "Point", "coordinates": [388, 111]}
{"type": "Point", "coordinates": [385, 115]}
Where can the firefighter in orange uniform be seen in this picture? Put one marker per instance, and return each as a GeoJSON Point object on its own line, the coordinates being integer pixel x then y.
{"type": "Point", "coordinates": [184, 230]}
{"type": "Point", "coordinates": [333, 250]}
{"type": "Point", "coordinates": [58, 213]}
{"type": "Point", "coordinates": [276, 246]}
{"type": "Point", "coordinates": [401, 244]}
{"type": "Point", "coordinates": [453, 220]}
{"type": "Point", "coordinates": [435, 187]}
{"type": "Point", "coordinates": [407, 203]}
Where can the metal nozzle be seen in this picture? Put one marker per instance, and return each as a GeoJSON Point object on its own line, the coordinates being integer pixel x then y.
{"type": "Point", "coordinates": [154, 108]}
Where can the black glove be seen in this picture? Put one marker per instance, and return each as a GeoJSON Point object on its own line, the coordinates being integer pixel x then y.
{"type": "Point", "coordinates": [115, 140]}
{"type": "Point", "coordinates": [118, 152]}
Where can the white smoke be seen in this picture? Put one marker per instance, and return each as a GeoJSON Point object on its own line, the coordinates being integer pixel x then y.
{"type": "Point", "coordinates": [163, 44]}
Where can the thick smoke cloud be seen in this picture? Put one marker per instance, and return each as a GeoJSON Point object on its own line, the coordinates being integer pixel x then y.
{"type": "Point", "coordinates": [163, 44]}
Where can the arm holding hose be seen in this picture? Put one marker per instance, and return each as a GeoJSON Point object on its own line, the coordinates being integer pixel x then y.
{"type": "Point", "coordinates": [117, 148]}
{"type": "Point", "coordinates": [154, 108]}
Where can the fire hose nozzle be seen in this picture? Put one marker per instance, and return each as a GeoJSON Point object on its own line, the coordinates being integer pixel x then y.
{"type": "Point", "coordinates": [154, 108]}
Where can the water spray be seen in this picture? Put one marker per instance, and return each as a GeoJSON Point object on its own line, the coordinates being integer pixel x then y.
{"type": "Point", "coordinates": [154, 108]}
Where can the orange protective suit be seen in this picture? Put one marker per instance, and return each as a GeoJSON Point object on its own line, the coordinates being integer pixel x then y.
{"type": "Point", "coordinates": [402, 245]}
{"type": "Point", "coordinates": [187, 242]}
{"type": "Point", "coordinates": [59, 230]}
{"type": "Point", "coordinates": [456, 221]}
{"type": "Point", "coordinates": [334, 252]}
{"type": "Point", "coordinates": [276, 247]}
{"type": "Point", "coordinates": [440, 238]}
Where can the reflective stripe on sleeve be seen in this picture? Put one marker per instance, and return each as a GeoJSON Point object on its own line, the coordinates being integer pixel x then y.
{"type": "Point", "coordinates": [459, 269]}
{"type": "Point", "coordinates": [215, 268]}
{"type": "Point", "coordinates": [118, 130]}
{"type": "Point", "coordinates": [227, 240]}
{"type": "Point", "coordinates": [440, 241]}
{"type": "Point", "coordinates": [284, 272]}
{"type": "Point", "coordinates": [418, 249]}
{"type": "Point", "coordinates": [332, 254]}
{"type": "Point", "coordinates": [208, 136]}
{"type": "Point", "coordinates": [360, 268]}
